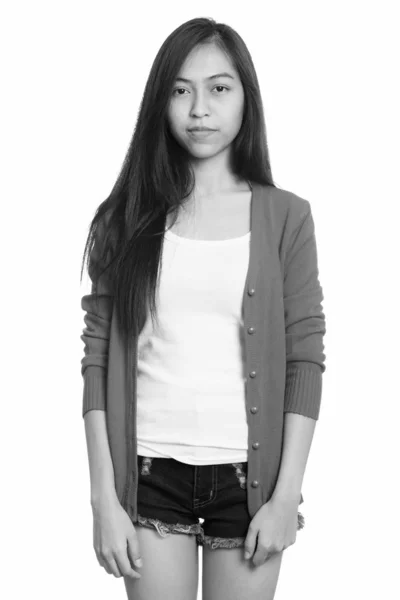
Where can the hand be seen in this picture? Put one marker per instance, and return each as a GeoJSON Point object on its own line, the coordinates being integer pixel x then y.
{"type": "Point", "coordinates": [115, 539]}
{"type": "Point", "coordinates": [275, 524]}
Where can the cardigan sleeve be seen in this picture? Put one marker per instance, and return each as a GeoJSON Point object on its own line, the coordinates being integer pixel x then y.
{"type": "Point", "coordinates": [304, 322]}
{"type": "Point", "coordinates": [96, 336]}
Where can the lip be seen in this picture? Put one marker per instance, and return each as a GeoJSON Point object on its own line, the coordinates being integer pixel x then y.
{"type": "Point", "coordinates": [201, 129]}
{"type": "Point", "coordinates": [201, 133]}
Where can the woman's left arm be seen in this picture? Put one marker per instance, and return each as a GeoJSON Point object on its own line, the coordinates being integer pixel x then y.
{"type": "Point", "coordinates": [305, 358]}
{"type": "Point", "coordinates": [298, 435]}
{"type": "Point", "coordinates": [274, 526]}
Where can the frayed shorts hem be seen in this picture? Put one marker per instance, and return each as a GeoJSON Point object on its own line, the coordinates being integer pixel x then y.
{"type": "Point", "coordinates": [213, 542]}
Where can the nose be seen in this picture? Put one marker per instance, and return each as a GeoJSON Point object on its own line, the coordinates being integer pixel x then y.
{"type": "Point", "coordinates": [199, 106]}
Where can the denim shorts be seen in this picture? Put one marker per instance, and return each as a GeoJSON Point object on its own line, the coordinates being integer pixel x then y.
{"type": "Point", "coordinates": [173, 496]}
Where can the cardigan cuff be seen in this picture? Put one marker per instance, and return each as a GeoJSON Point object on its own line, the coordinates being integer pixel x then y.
{"type": "Point", "coordinates": [94, 389]}
{"type": "Point", "coordinates": [303, 389]}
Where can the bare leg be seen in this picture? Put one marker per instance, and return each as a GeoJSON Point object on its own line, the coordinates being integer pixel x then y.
{"type": "Point", "coordinates": [170, 567]}
{"type": "Point", "coordinates": [228, 576]}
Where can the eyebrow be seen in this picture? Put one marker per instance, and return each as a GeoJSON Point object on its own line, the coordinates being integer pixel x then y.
{"type": "Point", "coordinates": [217, 76]}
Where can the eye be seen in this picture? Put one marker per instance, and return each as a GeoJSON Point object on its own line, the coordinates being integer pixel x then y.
{"type": "Point", "coordinates": [217, 86]}
{"type": "Point", "coordinates": [222, 86]}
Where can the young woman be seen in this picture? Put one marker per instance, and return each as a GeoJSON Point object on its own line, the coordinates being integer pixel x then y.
{"type": "Point", "coordinates": [204, 337]}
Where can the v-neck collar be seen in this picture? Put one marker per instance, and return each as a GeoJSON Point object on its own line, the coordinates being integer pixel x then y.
{"type": "Point", "coordinates": [255, 224]}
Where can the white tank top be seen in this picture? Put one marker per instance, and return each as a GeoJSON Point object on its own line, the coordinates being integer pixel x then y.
{"type": "Point", "coordinates": [190, 372]}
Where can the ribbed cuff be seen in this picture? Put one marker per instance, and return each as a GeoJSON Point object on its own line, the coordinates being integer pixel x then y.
{"type": "Point", "coordinates": [303, 389]}
{"type": "Point", "coordinates": [94, 389]}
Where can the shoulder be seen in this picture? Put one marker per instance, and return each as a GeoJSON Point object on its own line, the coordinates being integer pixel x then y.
{"type": "Point", "coordinates": [284, 209]}
{"type": "Point", "coordinates": [287, 207]}
{"type": "Point", "coordinates": [285, 212]}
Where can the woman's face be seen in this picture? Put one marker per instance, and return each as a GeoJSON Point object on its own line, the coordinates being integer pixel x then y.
{"type": "Point", "coordinates": [202, 102]}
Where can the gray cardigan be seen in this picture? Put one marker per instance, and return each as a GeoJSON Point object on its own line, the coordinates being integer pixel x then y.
{"type": "Point", "coordinates": [284, 350]}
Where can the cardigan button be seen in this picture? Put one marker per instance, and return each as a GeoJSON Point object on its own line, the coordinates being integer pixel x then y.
{"type": "Point", "coordinates": [250, 330]}
{"type": "Point", "coordinates": [251, 292]}
{"type": "Point", "coordinates": [252, 374]}
{"type": "Point", "coordinates": [255, 483]}
{"type": "Point", "coordinates": [254, 409]}
{"type": "Point", "coordinates": [256, 445]}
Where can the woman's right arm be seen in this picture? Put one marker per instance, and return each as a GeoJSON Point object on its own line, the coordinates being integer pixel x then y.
{"type": "Point", "coordinates": [94, 366]}
{"type": "Point", "coordinates": [96, 334]}
{"type": "Point", "coordinates": [115, 539]}
{"type": "Point", "coordinates": [102, 487]}
{"type": "Point", "coordinates": [114, 536]}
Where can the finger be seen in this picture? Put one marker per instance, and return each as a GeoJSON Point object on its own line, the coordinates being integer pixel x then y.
{"type": "Point", "coordinates": [134, 551]}
{"type": "Point", "coordinates": [112, 564]}
{"type": "Point", "coordinates": [105, 566]}
{"type": "Point", "coordinates": [125, 566]}
{"type": "Point", "coordinates": [249, 545]}
{"type": "Point", "coordinates": [103, 562]}
{"type": "Point", "coordinates": [260, 557]}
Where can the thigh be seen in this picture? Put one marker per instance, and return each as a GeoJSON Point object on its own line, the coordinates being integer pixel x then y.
{"type": "Point", "coordinates": [170, 567]}
{"type": "Point", "coordinates": [228, 576]}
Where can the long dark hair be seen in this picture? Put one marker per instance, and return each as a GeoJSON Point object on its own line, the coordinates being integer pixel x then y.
{"type": "Point", "coordinates": [124, 243]}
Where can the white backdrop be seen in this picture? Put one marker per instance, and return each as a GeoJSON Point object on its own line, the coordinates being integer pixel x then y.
{"type": "Point", "coordinates": [73, 74]}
